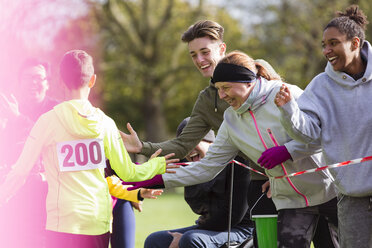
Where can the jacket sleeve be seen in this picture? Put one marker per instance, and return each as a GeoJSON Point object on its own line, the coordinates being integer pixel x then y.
{"type": "Point", "coordinates": [300, 150]}
{"type": "Point", "coordinates": [300, 119]}
{"type": "Point", "coordinates": [30, 154]}
{"type": "Point", "coordinates": [219, 154]}
{"type": "Point", "coordinates": [297, 149]}
{"type": "Point", "coordinates": [194, 131]}
{"type": "Point", "coordinates": [120, 191]}
{"type": "Point", "coordinates": [121, 162]}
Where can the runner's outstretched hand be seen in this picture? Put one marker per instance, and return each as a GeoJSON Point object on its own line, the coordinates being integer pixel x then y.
{"type": "Point", "coordinates": [150, 193]}
{"type": "Point", "coordinates": [168, 161]}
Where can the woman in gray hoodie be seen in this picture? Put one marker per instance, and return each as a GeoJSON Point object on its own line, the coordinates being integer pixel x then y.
{"type": "Point", "coordinates": [334, 110]}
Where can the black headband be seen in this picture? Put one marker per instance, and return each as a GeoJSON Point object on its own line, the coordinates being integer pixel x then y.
{"type": "Point", "coordinates": [225, 72]}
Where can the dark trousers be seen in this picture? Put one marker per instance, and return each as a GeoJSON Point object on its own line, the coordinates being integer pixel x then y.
{"type": "Point", "coordinates": [123, 225]}
{"type": "Point", "coordinates": [64, 240]}
{"type": "Point", "coordinates": [355, 216]}
{"type": "Point", "coordinates": [297, 227]}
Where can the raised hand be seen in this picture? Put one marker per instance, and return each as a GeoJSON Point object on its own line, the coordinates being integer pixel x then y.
{"type": "Point", "coordinates": [283, 96]}
{"type": "Point", "coordinates": [9, 107]}
{"type": "Point", "coordinates": [131, 141]}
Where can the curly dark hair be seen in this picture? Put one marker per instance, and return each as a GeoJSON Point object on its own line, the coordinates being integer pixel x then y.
{"type": "Point", "coordinates": [352, 22]}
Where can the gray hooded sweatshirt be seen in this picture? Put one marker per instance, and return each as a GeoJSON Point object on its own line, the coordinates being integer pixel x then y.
{"type": "Point", "coordinates": [335, 108]}
{"type": "Point", "coordinates": [238, 132]}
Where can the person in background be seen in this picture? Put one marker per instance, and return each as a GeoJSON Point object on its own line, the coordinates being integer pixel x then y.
{"type": "Point", "coordinates": [334, 110]}
{"type": "Point", "coordinates": [27, 225]}
{"type": "Point", "coordinates": [24, 226]}
{"type": "Point", "coordinates": [210, 200]}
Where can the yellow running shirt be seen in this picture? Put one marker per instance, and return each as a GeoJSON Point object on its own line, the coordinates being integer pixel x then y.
{"type": "Point", "coordinates": [74, 138]}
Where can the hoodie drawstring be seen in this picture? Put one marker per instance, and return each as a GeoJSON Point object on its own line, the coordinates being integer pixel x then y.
{"type": "Point", "coordinates": [215, 100]}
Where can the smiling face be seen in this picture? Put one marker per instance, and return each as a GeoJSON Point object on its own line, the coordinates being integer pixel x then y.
{"type": "Point", "coordinates": [33, 84]}
{"type": "Point", "coordinates": [206, 53]}
{"type": "Point", "coordinates": [235, 94]}
{"type": "Point", "coordinates": [340, 52]}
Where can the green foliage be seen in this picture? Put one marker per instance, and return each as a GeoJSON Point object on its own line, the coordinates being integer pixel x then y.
{"type": "Point", "coordinates": [147, 71]}
{"type": "Point", "coordinates": [290, 36]}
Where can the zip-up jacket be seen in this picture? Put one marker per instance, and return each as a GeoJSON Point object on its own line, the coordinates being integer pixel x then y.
{"type": "Point", "coordinates": [335, 109]}
{"type": "Point", "coordinates": [238, 132]}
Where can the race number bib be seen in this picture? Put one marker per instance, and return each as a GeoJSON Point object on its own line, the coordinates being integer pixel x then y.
{"type": "Point", "coordinates": [78, 155]}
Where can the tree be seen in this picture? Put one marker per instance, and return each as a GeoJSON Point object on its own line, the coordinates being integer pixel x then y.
{"type": "Point", "coordinates": [146, 66]}
{"type": "Point", "coordinates": [288, 34]}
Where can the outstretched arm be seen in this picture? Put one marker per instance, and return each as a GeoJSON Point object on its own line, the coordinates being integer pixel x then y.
{"type": "Point", "coordinates": [118, 190]}
{"type": "Point", "coordinates": [195, 130]}
{"type": "Point", "coordinates": [219, 154]}
{"type": "Point", "coordinates": [121, 162]}
{"type": "Point", "coordinates": [30, 153]}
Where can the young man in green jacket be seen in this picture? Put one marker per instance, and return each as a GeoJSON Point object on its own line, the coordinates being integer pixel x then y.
{"type": "Point", "coordinates": [206, 47]}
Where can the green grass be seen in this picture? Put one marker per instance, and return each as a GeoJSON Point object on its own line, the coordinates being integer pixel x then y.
{"type": "Point", "coordinates": [169, 211]}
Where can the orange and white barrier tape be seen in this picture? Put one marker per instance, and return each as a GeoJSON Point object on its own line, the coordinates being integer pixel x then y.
{"type": "Point", "coordinates": [341, 164]}
{"type": "Point", "coordinates": [336, 165]}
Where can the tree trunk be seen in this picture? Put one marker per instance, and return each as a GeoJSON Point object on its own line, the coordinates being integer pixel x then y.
{"type": "Point", "coordinates": [154, 118]}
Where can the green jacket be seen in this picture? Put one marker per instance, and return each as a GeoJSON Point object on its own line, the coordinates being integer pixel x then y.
{"type": "Point", "coordinates": [207, 114]}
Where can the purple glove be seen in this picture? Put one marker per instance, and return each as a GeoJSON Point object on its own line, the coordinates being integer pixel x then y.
{"type": "Point", "coordinates": [154, 183]}
{"type": "Point", "coordinates": [273, 157]}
